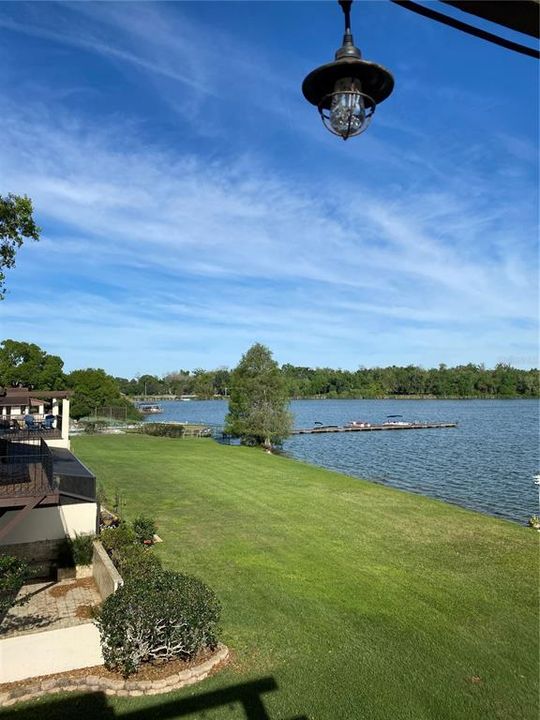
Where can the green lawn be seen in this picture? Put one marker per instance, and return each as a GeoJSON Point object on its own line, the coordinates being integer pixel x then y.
{"type": "Point", "coordinates": [353, 600]}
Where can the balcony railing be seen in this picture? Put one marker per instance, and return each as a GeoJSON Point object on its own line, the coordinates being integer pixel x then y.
{"type": "Point", "coordinates": [27, 435]}
{"type": "Point", "coordinates": [26, 470]}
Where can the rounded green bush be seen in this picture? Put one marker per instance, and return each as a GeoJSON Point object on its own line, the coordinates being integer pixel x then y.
{"type": "Point", "coordinates": [135, 561]}
{"type": "Point", "coordinates": [144, 528]}
{"type": "Point", "coordinates": [115, 538]}
{"type": "Point", "coordinates": [159, 617]}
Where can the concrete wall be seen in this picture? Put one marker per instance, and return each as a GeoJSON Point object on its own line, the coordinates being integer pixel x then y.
{"type": "Point", "coordinates": [106, 576]}
{"type": "Point", "coordinates": [51, 523]}
{"type": "Point", "coordinates": [58, 442]}
{"type": "Point", "coordinates": [45, 653]}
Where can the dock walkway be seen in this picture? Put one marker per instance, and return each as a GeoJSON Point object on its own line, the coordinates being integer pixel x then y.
{"type": "Point", "coordinates": [370, 428]}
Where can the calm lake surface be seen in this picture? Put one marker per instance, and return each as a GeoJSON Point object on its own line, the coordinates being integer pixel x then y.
{"type": "Point", "coordinates": [487, 463]}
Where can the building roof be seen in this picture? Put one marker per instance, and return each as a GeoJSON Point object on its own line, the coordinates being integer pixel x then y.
{"type": "Point", "coordinates": [25, 396]}
{"type": "Point", "coordinates": [522, 16]}
{"type": "Point", "coordinates": [20, 400]}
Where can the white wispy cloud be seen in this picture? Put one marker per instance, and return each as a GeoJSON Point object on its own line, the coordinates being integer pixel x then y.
{"type": "Point", "coordinates": [140, 223]}
{"type": "Point", "coordinates": [155, 257]}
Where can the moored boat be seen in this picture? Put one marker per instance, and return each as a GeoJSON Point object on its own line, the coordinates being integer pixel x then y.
{"type": "Point", "coordinates": [149, 409]}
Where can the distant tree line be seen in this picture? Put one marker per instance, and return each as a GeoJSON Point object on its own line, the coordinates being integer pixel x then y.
{"type": "Point", "coordinates": [27, 364]}
{"type": "Point", "coordinates": [306, 382]}
{"type": "Point", "coordinates": [199, 382]}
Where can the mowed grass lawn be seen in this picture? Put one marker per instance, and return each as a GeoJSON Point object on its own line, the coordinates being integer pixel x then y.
{"type": "Point", "coordinates": [357, 600]}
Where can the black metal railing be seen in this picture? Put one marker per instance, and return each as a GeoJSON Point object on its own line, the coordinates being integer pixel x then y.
{"type": "Point", "coordinates": [78, 487]}
{"type": "Point", "coordinates": [25, 470]}
{"type": "Point", "coordinates": [47, 462]}
{"type": "Point", "coordinates": [31, 436]}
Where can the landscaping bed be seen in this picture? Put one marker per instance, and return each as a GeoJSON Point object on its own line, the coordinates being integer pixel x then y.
{"type": "Point", "coordinates": [152, 679]}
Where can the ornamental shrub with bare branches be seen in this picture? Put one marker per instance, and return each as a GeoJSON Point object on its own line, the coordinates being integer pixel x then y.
{"type": "Point", "coordinates": [164, 616]}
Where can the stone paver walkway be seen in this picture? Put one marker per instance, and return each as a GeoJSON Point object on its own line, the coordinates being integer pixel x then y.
{"type": "Point", "coordinates": [50, 606]}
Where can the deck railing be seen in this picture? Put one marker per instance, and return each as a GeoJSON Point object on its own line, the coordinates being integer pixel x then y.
{"type": "Point", "coordinates": [32, 436]}
{"type": "Point", "coordinates": [26, 470]}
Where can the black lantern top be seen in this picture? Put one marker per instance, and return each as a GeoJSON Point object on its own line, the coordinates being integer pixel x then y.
{"type": "Point", "coordinates": [347, 90]}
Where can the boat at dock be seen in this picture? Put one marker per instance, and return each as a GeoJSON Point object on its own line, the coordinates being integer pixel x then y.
{"type": "Point", "coordinates": [392, 420]}
{"type": "Point", "coordinates": [150, 409]}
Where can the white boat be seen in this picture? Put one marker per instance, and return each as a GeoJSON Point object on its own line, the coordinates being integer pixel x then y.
{"type": "Point", "coordinates": [149, 409]}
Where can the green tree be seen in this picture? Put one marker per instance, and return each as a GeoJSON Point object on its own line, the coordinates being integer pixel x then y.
{"type": "Point", "coordinates": [203, 385]}
{"type": "Point", "coordinates": [16, 224]}
{"type": "Point", "coordinates": [93, 388]}
{"type": "Point", "coordinates": [150, 385]}
{"type": "Point", "coordinates": [221, 380]}
{"type": "Point", "coordinates": [23, 363]}
{"type": "Point", "coordinates": [179, 382]}
{"type": "Point", "coordinates": [258, 405]}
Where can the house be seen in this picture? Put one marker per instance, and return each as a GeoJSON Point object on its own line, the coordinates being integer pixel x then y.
{"type": "Point", "coordinates": [16, 403]}
{"type": "Point", "coordinates": [46, 493]}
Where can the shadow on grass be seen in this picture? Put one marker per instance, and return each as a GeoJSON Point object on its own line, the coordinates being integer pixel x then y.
{"type": "Point", "coordinates": [246, 696]}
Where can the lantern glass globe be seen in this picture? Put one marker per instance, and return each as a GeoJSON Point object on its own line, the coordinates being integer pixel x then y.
{"type": "Point", "coordinates": [347, 111]}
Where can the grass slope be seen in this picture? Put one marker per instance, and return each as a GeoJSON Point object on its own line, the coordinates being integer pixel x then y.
{"type": "Point", "coordinates": [359, 601]}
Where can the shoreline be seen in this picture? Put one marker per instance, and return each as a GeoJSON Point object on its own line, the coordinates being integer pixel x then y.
{"type": "Point", "coordinates": [489, 398]}
{"type": "Point", "coordinates": [408, 491]}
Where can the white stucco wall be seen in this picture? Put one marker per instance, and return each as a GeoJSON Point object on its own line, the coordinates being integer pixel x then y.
{"type": "Point", "coordinates": [45, 653]}
{"type": "Point", "coordinates": [51, 523]}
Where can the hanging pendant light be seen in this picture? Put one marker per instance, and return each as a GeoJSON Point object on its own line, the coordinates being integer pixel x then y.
{"type": "Point", "coordinates": [347, 91]}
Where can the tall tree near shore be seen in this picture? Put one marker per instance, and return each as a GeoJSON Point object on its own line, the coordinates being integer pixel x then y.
{"type": "Point", "coordinates": [16, 225]}
{"type": "Point", "coordinates": [258, 405]}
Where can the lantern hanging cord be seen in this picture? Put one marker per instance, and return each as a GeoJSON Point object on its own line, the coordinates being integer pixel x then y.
{"type": "Point", "coordinates": [346, 7]}
{"type": "Point", "coordinates": [465, 27]}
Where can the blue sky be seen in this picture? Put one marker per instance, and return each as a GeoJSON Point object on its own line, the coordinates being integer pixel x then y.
{"type": "Point", "coordinates": [192, 202]}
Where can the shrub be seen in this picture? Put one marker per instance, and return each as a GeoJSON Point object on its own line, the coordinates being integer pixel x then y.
{"type": "Point", "coordinates": [118, 502]}
{"type": "Point", "coordinates": [82, 547]}
{"type": "Point", "coordinates": [163, 616]}
{"type": "Point", "coordinates": [135, 561]}
{"type": "Point", "coordinates": [162, 429]}
{"type": "Point", "coordinates": [77, 551]}
{"type": "Point", "coordinates": [93, 426]}
{"type": "Point", "coordinates": [128, 553]}
{"type": "Point", "coordinates": [101, 494]}
{"type": "Point", "coordinates": [117, 538]}
{"type": "Point", "coordinates": [144, 528]}
{"type": "Point", "coordinates": [13, 575]}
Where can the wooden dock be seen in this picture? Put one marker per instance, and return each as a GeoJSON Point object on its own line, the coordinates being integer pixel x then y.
{"type": "Point", "coordinates": [371, 428]}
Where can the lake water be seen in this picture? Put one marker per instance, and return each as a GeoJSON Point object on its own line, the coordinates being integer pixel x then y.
{"type": "Point", "coordinates": [487, 463]}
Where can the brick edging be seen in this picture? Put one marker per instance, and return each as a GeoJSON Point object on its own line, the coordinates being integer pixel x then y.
{"type": "Point", "coordinates": [110, 686]}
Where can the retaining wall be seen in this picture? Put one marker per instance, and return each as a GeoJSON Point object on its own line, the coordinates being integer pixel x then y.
{"type": "Point", "coordinates": [112, 686]}
{"type": "Point", "coordinates": [42, 556]}
{"type": "Point", "coordinates": [106, 576]}
{"type": "Point", "coordinates": [52, 651]}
